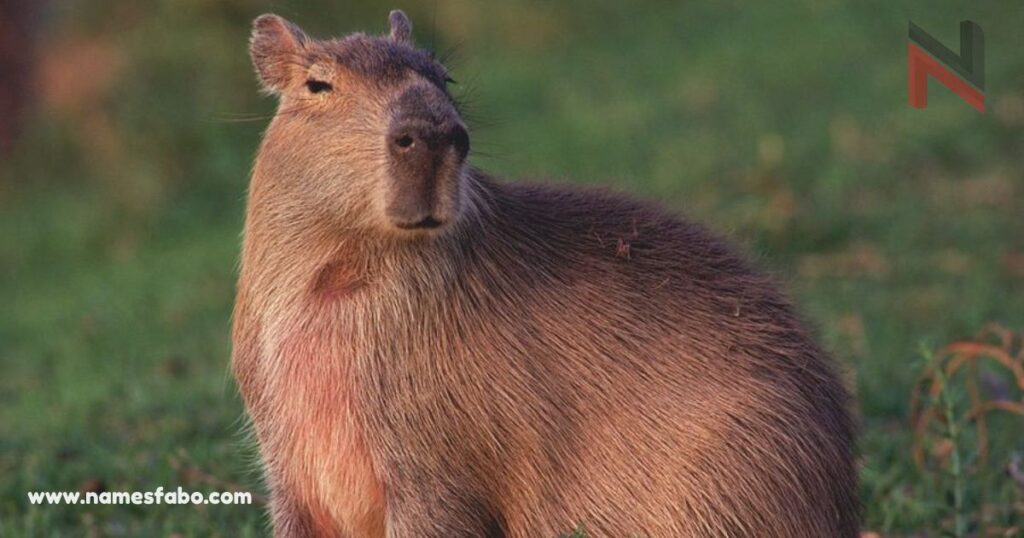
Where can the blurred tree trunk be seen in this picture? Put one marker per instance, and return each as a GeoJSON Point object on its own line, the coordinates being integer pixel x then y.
{"type": "Point", "coordinates": [18, 25]}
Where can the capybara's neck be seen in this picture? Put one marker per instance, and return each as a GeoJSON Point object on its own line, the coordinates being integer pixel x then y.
{"type": "Point", "coordinates": [292, 248]}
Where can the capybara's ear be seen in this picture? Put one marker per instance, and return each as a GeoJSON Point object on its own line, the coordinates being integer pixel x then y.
{"type": "Point", "coordinates": [276, 48]}
{"type": "Point", "coordinates": [401, 27]}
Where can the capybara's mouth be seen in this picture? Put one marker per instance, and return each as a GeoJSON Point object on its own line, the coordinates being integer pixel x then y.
{"type": "Point", "coordinates": [428, 223]}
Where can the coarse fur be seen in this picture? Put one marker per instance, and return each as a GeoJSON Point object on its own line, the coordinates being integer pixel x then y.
{"type": "Point", "coordinates": [502, 359]}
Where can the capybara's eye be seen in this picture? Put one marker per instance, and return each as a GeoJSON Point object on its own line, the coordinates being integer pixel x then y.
{"type": "Point", "coordinates": [317, 86]}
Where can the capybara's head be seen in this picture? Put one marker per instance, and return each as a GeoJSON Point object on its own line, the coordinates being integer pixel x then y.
{"type": "Point", "coordinates": [366, 132]}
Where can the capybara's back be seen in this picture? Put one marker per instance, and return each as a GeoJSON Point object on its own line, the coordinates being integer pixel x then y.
{"type": "Point", "coordinates": [428, 351]}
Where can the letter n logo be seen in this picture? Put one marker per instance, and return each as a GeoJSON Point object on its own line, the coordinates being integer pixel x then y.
{"type": "Point", "coordinates": [926, 56]}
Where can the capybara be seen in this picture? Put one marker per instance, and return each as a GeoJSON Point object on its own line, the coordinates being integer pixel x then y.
{"type": "Point", "coordinates": [428, 351]}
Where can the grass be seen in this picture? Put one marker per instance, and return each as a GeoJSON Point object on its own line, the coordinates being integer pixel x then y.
{"type": "Point", "coordinates": [952, 435]}
{"type": "Point", "coordinates": [969, 388]}
{"type": "Point", "coordinates": [784, 125]}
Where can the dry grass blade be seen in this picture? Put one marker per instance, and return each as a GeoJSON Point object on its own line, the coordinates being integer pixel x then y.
{"type": "Point", "coordinates": [994, 343]}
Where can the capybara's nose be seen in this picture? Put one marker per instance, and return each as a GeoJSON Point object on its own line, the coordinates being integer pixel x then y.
{"type": "Point", "coordinates": [422, 145]}
{"type": "Point", "coordinates": [425, 158]}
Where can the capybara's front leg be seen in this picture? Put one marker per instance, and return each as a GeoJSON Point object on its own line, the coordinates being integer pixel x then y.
{"type": "Point", "coordinates": [289, 518]}
{"type": "Point", "coordinates": [440, 515]}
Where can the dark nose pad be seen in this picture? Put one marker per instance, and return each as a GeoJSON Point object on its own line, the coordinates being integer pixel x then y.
{"type": "Point", "coordinates": [424, 158]}
{"type": "Point", "coordinates": [415, 141]}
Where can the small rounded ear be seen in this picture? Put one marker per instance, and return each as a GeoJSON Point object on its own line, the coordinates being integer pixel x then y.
{"type": "Point", "coordinates": [401, 28]}
{"type": "Point", "coordinates": [275, 48]}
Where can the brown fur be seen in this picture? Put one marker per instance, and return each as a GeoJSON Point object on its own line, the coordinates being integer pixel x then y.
{"type": "Point", "coordinates": [548, 357]}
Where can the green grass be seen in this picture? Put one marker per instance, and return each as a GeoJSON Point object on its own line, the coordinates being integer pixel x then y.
{"type": "Point", "coordinates": [783, 124]}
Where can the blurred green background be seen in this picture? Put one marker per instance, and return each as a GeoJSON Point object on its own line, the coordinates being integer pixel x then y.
{"type": "Point", "coordinates": [783, 124]}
